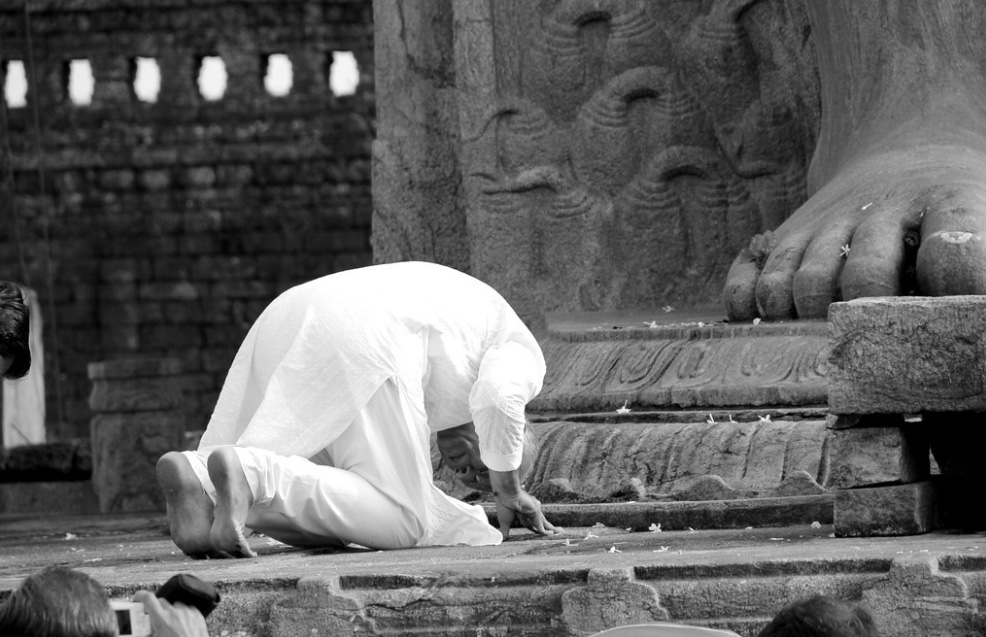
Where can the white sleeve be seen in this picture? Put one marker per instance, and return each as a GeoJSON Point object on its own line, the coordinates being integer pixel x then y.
{"type": "Point", "coordinates": [510, 375]}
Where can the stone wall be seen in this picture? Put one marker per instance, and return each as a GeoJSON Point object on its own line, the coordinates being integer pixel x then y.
{"type": "Point", "coordinates": [163, 229]}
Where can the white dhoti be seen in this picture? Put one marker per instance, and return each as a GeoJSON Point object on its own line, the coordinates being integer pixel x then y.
{"type": "Point", "coordinates": [333, 396]}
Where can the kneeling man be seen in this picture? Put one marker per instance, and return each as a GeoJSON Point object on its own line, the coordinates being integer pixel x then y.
{"type": "Point", "coordinates": [321, 434]}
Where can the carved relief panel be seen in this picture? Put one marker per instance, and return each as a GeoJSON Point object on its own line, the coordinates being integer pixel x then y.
{"type": "Point", "coordinates": [620, 153]}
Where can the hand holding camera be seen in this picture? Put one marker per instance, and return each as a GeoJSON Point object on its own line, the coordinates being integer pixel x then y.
{"type": "Point", "coordinates": [178, 609]}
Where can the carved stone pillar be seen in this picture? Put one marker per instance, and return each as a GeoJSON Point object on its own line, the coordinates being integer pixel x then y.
{"type": "Point", "coordinates": [137, 418]}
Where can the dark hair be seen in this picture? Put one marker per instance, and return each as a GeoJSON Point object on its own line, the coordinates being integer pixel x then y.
{"type": "Point", "coordinates": [15, 329]}
{"type": "Point", "coordinates": [58, 602]}
{"type": "Point", "coordinates": [821, 616]}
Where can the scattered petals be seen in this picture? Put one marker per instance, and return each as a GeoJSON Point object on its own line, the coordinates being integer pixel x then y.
{"type": "Point", "coordinates": [844, 251]}
{"type": "Point", "coordinates": [655, 528]}
{"type": "Point", "coordinates": [624, 409]}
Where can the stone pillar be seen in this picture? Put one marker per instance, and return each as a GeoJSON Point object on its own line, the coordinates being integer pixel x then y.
{"type": "Point", "coordinates": [137, 418]}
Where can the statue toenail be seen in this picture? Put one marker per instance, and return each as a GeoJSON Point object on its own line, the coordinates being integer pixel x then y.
{"type": "Point", "coordinates": [955, 236]}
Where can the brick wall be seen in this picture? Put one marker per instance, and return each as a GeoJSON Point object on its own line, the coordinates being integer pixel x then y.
{"type": "Point", "coordinates": [163, 229]}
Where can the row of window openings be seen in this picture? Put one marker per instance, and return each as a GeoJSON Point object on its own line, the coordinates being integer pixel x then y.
{"type": "Point", "coordinates": [278, 79]}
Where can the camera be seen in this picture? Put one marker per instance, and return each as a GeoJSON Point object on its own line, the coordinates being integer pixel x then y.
{"type": "Point", "coordinates": [187, 589]}
{"type": "Point", "coordinates": [131, 618]}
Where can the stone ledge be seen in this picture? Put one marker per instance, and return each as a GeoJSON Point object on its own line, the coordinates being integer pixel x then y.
{"type": "Point", "coordinates": [677, 516]}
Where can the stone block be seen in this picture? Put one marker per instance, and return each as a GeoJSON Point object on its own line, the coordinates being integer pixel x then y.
{"type": "Point", "coordinates": [875, 455]}
{"type": "Point", "coordinates": [125, 450]}
{"type": "Point", "coordinates": [917, 598]}
{"type": "Point", "coordinates": [901, 509]}
{"type": "Point", "coordinates": [129, 395]}
{"type": "Point", "coordinates": [908, 355]}
{"type": "Point", "coordinates": [610, 598]}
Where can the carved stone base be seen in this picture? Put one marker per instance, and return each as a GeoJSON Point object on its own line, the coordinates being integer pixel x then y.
{"type": "Point", "coordinates": [596, 364]}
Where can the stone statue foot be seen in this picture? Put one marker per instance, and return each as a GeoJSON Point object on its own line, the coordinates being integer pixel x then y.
{"type": "Point", "coordinates": [233, 501]}
{"type": "Point", "coordinates": [190, 511]}
{"type": "Point", "coordinates": [908, 220]}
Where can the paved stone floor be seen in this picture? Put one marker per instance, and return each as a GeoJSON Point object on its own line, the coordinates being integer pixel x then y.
{"type": "Point", "coordinates": [129, 552]}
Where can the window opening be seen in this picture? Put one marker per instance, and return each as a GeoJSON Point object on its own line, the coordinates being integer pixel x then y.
{"type": "Point", "coordinates": [343, 73]}
{"type": "Point", "coordinates": [279, 77]}
{"type": "Point", "coordinates": [81, 83]}
{"type": "Point", "coordinates": [212, 78]}
{"type": "Point", "coordinates": [147, 79]}
{"type": "Point", "coordinates": [15, 84]}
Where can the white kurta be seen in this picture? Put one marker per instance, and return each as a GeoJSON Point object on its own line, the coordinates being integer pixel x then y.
{"type": "Point", "coordinates": [451, 344]}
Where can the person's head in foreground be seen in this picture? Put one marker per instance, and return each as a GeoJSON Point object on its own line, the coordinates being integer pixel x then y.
{"type": "Point", "coordinates": [821, 616]}
{"type": "Point", "coordinates": [15, 329]}
{"type": "Point", "coordinates": [459, 447]}
{"type": "Point", "coordinates": [58, 602]}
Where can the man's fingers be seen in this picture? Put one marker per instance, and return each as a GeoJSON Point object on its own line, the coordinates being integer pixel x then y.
{"type": "Point", "coordinates": [152, 605]}
{"type": "Point", "coordinates": [505, 517]}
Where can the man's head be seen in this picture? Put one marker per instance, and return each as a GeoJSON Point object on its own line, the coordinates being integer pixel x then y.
{"type": "Point", "coordinates": [15, 329]}
{"type": "Point", "coordinates": [58, 602]}
{"type": "Point", "coordinates": [459, 447]}
{"type": "Point", "coordinates": [821, 616]}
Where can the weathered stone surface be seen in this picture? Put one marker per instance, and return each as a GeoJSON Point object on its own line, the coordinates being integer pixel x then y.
{"type": "Point", "coordinates": [43, 498]}
{"type": "Point", "coordinates": [749, 457]}
{"type": "Point", "coordinates": [705, 488]}
{"type": "Point", "coordinates": [595, 145]}
{"type": "Point", "coordinates": [135, 385]}
{"type": "Point", "coordinates": [685, 366]}
{"type": "Point", "coordinates": [610, 598]}
{"type": "Point", "coordinates": [134, 368]}
{"type": "Point", "coordinates": [874, 455]}
{"type": "Point", "coordinates": [908, 355]}
{"type": "Point", "coordinates": [63, 460]}
{"type": "Point", "coordinates": [902, 509]}
{"type": "Point", "coordinates": [711, 514]}
{"type": "Point", "coordinates": [917, 598]}
{"type": "Point", "coordinates": [130, 395]}
{"type": "Point", "coordinates": [125, 449]}
{"type": "Point", "coordinates": [798, 483]}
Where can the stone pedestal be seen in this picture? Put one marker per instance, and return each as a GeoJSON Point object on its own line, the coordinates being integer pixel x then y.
{"type": "Point", "coordinates": [922, 357]}
{"type": "Point", "coordinates": [137, 418]}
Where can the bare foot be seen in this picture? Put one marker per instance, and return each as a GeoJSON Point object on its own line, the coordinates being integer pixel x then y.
{"type": "Point", "coordinates": [189, 508]}
{"type": "Point", "coordinates": [233, 501]}
{"type": "Point", "coordinates": [899, 173]}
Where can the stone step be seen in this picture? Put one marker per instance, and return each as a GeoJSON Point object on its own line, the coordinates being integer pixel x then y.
{"type": "Point", "coordinates": [575, 584]}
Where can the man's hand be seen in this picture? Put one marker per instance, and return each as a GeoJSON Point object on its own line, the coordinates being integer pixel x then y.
{"type": "Point", "coordinates": [513, 503]}
{"type": "Point", "coordinates": [172, 620]}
